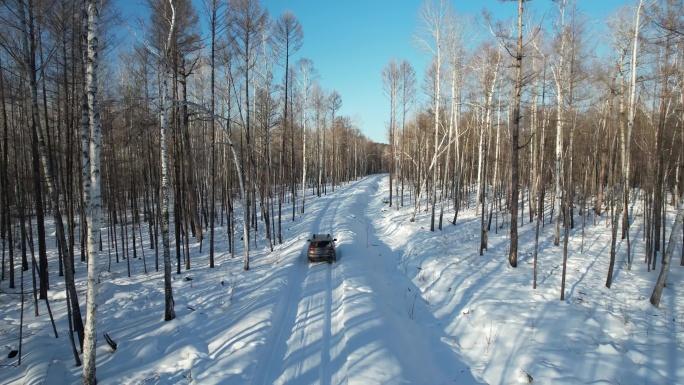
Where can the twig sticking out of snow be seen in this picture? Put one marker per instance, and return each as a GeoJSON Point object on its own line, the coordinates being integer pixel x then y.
{"type": "Point", "coordinates": [110, 342]}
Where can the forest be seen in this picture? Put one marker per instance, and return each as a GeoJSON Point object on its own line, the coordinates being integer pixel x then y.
{"type": "Point", "coordinates": [211, 119]}
{"type": "Point", "coordinates": [546, 111]}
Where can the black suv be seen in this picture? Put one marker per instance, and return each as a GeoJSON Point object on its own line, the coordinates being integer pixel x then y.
{"type": "Point", "coordinates": [322, 248]}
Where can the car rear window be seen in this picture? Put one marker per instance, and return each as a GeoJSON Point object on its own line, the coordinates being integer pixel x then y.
{"type": "Point", "coordinates": [320, 244]}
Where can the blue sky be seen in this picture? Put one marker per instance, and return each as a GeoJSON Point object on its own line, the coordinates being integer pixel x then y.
{"type": "Point", "coordinates": [351, 41]}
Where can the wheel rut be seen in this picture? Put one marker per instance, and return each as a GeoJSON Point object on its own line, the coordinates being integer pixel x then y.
{"type": "Point", "coordinates": [305, 344]}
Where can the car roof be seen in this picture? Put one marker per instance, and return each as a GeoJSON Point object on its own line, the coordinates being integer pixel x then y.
{"type": "Point", "coordinates": [321, 237]}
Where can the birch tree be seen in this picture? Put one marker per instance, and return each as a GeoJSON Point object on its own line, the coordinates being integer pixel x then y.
{"type": "Point", "coordinates": [95, 206]}
{"type": "Point", "coordinates": [458, 34]}
{"type": "Point", "coordinates": [319, 106]}
{"type": "Point", "coordinates": [539, 60]}
{"type": "Point", "coordinates": [307, 79]}
{"type": "Point", "coordinates": [489, 82]}
{"type": "Point", "coordinates": [391, 84]}
{"type": "Point", "coordinates": [627, 136]}
{"type": "Point", "coordinates": [334, 104]}
{"type": "Point", "coordinates": [560, 77]}
{"type": "Point", "coordinates": [165, 59]}
{"type": "Point", "coordinates": [435, 19]}
{"type": "Point", "coordinates": [407, 95]}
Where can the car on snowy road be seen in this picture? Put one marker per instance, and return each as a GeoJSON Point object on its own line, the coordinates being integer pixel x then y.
{"type": "Point", "coordinates": [322, 248]}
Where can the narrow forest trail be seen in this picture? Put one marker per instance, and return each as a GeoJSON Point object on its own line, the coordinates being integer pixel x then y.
{"type": "Point", "coordinates": [351, 321]}
{"type": "Point", "coordinates": [300, 346]}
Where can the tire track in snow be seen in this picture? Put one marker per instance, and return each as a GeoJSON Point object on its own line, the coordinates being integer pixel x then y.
{"type": "Point", "coordinates": [269, 366]}
{"type": "Point", "coordinates": [333, 338]}
{"type": "Point", "coordinates": [338, 338]}
{"type": "Point", "coordinates": [275, 347]}
{"type": "Point", "coordinates": [325, 374]}
{"type": "Point", "coordinates": [283, 358]}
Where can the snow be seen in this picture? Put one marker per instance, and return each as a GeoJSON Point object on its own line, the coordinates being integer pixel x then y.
{"type": "Point", "coordinates": [402, 305]}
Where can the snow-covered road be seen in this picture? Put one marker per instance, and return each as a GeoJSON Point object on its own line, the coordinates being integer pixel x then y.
{"type": "Point", "coordinates": [352, 321]}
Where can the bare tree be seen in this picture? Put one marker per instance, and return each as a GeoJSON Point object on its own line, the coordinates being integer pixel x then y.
{"type": "Point", "coordinates": [185, 40]}
{"type": "Point", "coordinates": [406, 98]}
{"type": "Point", "coordinates": [5, 218]}
{"type": "Point", "coordinates": [665, 69]}
{"type": "Point", "coordinates": [458, 34]}
{"type": "Point", "coordinates": [560, 75]}
{"type": "Point", "coordinates": [489, 82]}
{"type": "Point", "coordinates": [166, 74]}
{"type": "Point", "coordinates": [391, 84]}
{"type": "Point", "coordinates": [435, 21]}
{"type": "Point", "coordinates": [307, 79]}
{"type": "Point", "coordinates": [28, 62]}
{"type": "Point", "coordinates": [627, 136]}
{"type": "Point", "coordinates": [320, 113]}
{"type": "Point", "coordinates": [665, 267]}
{"type": "Point", "coordinates": [514, 128]}
{"type": "Point", "coordinates": [95, 206]}
{"type": "Point", "coordinates": [246, 23]}
{"type": "Point", "coordinates": [334, 105]}
{"type": "Point", "coordinates": [515, 134]}
{"type": "Point", "coordinates": [288, 36]}
{"type": "Point", "coordinates": [538, 161]}
{"type": "Point", "coordinates": [214, 8]}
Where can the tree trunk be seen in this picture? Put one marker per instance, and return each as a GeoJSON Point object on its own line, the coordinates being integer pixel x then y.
{"type": "Point", "coordinates": [212, 208]}
{"type": "Point", "coordinates": [28, 36]}
{"type": "Point", "coordinates": [95, 209]}
{"type": "Point", "coordinates": [169, 312]}
{"type": "Point", "coordinates": [664, 269]}
{"type": "Point", "coordinates": [513, 252]}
